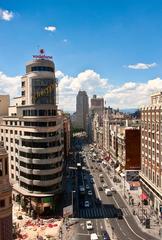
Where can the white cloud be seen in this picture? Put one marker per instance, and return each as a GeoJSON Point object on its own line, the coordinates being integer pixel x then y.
{"type": "Point", "coordinates": [128, 95]}
{"type": "Point", "coordinates": [6, 15]}
{"type": "Point", "coordinates": [142, 66]}
{"type": "Point", "coordinates": [88, 80]}
{"type": "Point", "coordinates": [10, 85]}
{"type": "Point", "coordinates": [65, 40]}
{"type": "Point", "coordinates": [50, 28]}
{"type": "Point", "coordinates": [133, 95]}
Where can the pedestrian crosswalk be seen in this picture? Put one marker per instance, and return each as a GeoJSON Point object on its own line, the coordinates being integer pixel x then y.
{"type": "Point", "coordinates": [99, 212]}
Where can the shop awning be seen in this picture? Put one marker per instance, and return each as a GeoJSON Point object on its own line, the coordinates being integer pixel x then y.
{"type": "Point", "coordinates": [135, 184]}
{"type": "Point", "coordinates": [143, 196]}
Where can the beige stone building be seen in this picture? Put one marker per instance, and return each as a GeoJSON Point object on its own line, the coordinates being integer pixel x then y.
{"type": "Point", "coordinates": [4, 104]}
{"type": "Point", "coordinates": [5, 197]}
{"type": "Point", "coordinates": [32, 136]}
{"type": "Point", "coordinates": [151, 151]}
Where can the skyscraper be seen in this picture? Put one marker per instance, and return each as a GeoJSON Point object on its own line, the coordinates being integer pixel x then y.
{"type": "Point", "coordinates": [82, 108]}
{"type": "Point", "coordinates": [32, 135]}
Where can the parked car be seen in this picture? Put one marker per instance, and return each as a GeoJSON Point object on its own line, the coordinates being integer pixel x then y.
{"type": "Point", "coordinates": [89, 225]}
{"type": "Point", "coordinates": [105, 235]}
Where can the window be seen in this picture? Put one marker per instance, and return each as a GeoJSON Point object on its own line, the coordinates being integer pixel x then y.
{"type": "Point", "coordinates": [12, 166]}
{"type": "Point", "coordinates": [12, 175]}
{"type": "Point", "coordinates": [23, 102]}
{"type": "Point", "coordinates": [1, 130]}
{"type": "Point", "coordinates": [6, 131]}
{"type": "Point", "coordinates": [2, 203]}
{"type": "Point", "coordinates": [11, 131]}
{"type": "Point", "coordinates": [11, 140]}
{"type": "Point", "coordinates": [23, 84]}
{"type": "Point", "coordinates": [23, 93]}
{"type": "Point", "coordinates": [6, 166]}
{"type": "Point", "coordinates": [12, 158]}
{"type": "Point", "coordinates": [11, 149]}
{"type": "Point", "coordinates": [1, 168]}
{"type": "Point", "coordinates": [16, 131]}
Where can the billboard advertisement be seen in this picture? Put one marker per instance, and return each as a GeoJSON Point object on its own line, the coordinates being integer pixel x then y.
{"type": "Point", "coordinates": [43, 91]}
{"type": "Point", "coordinates": [132, 149]}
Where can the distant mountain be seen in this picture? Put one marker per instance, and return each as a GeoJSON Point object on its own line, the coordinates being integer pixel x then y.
{"type": "Point", "coordinates": [129, 110]}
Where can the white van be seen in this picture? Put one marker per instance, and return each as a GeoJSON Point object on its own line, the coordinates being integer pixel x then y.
{"type": "Point", "coordinates": [108, 192]}
{"type": "Point", "coordinates": [94, 236]}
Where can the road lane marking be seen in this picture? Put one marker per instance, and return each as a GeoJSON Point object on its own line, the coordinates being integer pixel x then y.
{"type": "Point", "coordinates": [128, 223]}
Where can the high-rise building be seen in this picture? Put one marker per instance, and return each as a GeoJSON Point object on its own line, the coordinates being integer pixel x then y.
{"type": "Point", "coordinates": [82, 108]}
{"type": "Point", "coordinates": [32, 135]}
{"type": "Point", "coordinates": [97, 105]}
{"type": "Point", "coordinates": [5, 197]}
{"type": "Point", "coordinates": [151, 148]}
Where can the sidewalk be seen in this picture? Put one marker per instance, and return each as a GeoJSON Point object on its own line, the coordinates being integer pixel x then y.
{"type": "Point", "coordinates": [139, 211]}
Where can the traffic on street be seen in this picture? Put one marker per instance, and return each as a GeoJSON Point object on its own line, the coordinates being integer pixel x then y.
{"type": "Point", "coordinates": [101, 210]}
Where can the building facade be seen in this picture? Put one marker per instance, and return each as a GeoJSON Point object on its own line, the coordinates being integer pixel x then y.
{"type": "Point", "coordinates": [32, 135]}
{"type": "Point", "coordinates": [5, 197]}
{"type": "Point", "coordinates": [151, 151]}
{"type": "Point", "coordinates": [97, 105]}
{"type": "Point", "coordinates": [82, 110]}
{"type": "Point", "coordinates": [4, 104]}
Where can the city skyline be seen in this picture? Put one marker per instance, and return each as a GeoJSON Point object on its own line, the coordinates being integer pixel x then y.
{"type": "Point", "coordinates": [111, 49]}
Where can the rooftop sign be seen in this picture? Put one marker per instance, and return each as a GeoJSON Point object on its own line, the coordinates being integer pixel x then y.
{"type": "Point", "coordinates": [42, 55]}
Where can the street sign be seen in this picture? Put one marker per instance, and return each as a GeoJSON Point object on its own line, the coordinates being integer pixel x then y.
{"type": "Point", "coordinates": [67, 211]}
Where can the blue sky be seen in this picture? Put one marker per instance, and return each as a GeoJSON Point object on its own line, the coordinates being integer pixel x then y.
{"type": "Point", "coordinates": [111, 47]}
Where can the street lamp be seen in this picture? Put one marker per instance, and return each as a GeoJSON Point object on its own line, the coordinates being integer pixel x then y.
{"type": "Point", "coordinates": [124, 186]}
{"type": "Point", "coordinates": [72, 201]}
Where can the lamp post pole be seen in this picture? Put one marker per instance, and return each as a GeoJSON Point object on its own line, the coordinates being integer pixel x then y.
{"type": "Point", "coordinates": [124, 186]}
{"type": "Point", "coordinates": [72, 202]}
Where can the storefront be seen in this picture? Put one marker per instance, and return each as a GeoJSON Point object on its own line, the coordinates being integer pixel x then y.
{"type": "Point", "coordinates": [154, 197]}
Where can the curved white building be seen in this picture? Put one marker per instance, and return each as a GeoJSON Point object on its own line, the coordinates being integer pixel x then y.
{"type": "Point", "coordinates": [32, 135]}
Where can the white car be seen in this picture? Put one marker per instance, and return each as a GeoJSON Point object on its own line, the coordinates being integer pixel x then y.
{"type": "Point", "coordinates": [87, 187]}
{"type": "Point", "coordinates": [108, 192]}
{"type": "Point", "coordinates": [86, 204]}
{"type": "Point", "coordinates": [94, 236]}
{"type": "Point", "coordinates": [89, 225]}
{"type": "Point", "coordinates": [104, 185]}
{"type": "Point", "coordinates": [113, 189]}
{"type": "Point", "coordinates": [89, 192]}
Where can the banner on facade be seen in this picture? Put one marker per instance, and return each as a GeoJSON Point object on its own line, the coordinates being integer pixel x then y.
{"type": "Point", "coordinates": [132, 149]}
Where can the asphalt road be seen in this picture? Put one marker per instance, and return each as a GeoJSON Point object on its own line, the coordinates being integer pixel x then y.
{"type": "Point", "coordinates": [125, 228]}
